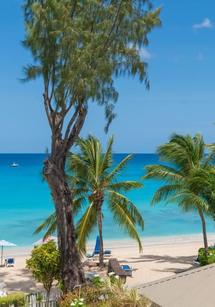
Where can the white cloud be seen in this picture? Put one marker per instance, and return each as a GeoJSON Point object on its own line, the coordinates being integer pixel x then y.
{"type": "Point", "coordinates": [145, 54]}
{"type": "Point", "coordinates": [205, 24]}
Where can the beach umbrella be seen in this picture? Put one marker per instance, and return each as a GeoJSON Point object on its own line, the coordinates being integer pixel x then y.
{"type": "Point", "coordinates": [98, 245]}
{"type": "Point", "coordinates": [43, 241]}
{"type": "Point", "coordinates": [3, 244]}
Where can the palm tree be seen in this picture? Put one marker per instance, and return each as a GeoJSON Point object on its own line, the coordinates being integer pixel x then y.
{"type": "Point", "coordinates": [185, 162]}
{"type": "Point", "coordinates": [204, 182]}
{"type": "Point", "coordinates": [94, 180]}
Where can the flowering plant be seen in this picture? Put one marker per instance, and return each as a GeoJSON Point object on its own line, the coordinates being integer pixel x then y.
{"type": "Point", "coordinates": [78, 302]}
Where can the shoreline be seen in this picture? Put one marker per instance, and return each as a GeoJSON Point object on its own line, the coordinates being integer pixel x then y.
{"type": "Point", "coordinates": [154, 241]}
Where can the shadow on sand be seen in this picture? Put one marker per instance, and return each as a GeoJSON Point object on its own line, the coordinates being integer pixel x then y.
{"type": "Point", "coordinates": [15, 283]}
{"type": "Point", "coordinates": [188, 261]}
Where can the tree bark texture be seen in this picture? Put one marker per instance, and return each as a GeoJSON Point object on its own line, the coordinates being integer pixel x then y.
{"type": "Point", "coordinates": [204, 231]}
{"type": "Point", "coordinates": [100, 227]}
{"type": "Point", "coordinates": [71, 271]}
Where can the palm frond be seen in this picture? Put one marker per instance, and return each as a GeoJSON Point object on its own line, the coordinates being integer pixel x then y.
{"type": "Point", "coordinates": [165, 192]}
{"type": "Point", "coordinates": [78, 204]}
{"type": "Point", "coordinates": [116, 198]}
{"type": "Point", "coordinates": [210, 157]}
{"type": "Point", "coordinates": [162, 172]}
{"type": "Point", "coordinates": [183, 151]}
{"type": "Point", "coordinates": [118, 168]}
{"type": "Point", "coordinates": [188, 181]}
{"type": "Point", "coordinates": [86, 165]}
{"type": "Point", "coordinates": [124, 218]}
{"type": "Point", "coordinates": [188, 201]}
{"type": "Point", "coordinates": [49, 226]}
{"type": "Point", "coordinates": [85, 226]}
{"type": "Point", "coordinates": [125, 185]}
{"type": "Point", "coordinates": [107, 158]}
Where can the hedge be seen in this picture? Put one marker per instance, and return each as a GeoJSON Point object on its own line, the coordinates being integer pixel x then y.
{"type": "Point", "coordinates": [13, 299]}
{"type": "Point", "coordinates": [209, 259]}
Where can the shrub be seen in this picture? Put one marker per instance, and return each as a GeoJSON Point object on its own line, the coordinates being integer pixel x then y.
{"type": "Point", "coordinates": [90, 294]}
{"type": "Point", "coordinates": [209, 259]}
{"type": "Point", "coordinates": [13, 299]}
{"type": "Point", "coordinates": [44, 264]}
{"type": "Point", "coordinates": [78, 302]}
{"type": "Point", "coordinates": [116, 302]}
{"type": "Point", "coordinates": [110, 292]}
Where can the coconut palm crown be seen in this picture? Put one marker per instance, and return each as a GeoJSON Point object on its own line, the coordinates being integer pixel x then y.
{"type": "Point", "coordinates": [94, 180]}
{"type": "Point", "coordinates": [182, 174]}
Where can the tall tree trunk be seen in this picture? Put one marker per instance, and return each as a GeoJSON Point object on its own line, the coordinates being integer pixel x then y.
{"type": "Point", "coordinates": [204, 231]}
{"type": "Point", "coordinates": [71, 271]}
{"type": "Point", "coordinates": [101, 253]}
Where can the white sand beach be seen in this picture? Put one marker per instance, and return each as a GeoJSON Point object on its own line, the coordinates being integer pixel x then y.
{"type": "Point", "coordinates": [161, 257]}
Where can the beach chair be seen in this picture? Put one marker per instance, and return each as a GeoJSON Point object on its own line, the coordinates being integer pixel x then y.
{"type": "Point", "coordinates": [96, 252]}
{"type": "Point", "coordinates": [107, 253]}
{"type": "Point", "coordinates": [9, 262]}
{"type": "Point", "coordinates": [115, 267]}
{"type": "Point", "coordinates": [127, 268]}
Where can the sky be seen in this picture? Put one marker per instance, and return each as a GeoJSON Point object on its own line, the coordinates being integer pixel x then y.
{"type": "Point", "coordinates": [181, 98]}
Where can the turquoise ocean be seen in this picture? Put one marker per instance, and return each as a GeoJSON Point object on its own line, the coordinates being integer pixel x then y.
{"type": "Point", "coordinates": [25, 201]}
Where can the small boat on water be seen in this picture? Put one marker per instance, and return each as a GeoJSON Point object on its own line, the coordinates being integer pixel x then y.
{"type": "Point", "coordinates": [14, 164]}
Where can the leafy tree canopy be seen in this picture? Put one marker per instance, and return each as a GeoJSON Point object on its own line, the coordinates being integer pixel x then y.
{"type": "Point", "coordinates": [79, 47]}
{"type": "Point", "coordinates": [45, 264]}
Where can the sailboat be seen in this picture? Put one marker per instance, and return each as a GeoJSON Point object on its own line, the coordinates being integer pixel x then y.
{"type": "Point", "coordinates": [14, 164]}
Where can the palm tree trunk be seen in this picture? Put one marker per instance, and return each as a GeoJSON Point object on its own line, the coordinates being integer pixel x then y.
{"type": "Point", "coordinates": [101, 253]}
{"type": "Point", "coordinates": [71, 271]}
{"type": "Point", "coordinates": [204, 231]}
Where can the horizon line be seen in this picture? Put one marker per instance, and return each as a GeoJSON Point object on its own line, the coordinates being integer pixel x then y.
{"type": "Point", "coordinates": [43, 153]}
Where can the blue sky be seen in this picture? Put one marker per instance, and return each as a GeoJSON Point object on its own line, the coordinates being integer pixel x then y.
{"type": "Point", "coordinates": [181, 72]}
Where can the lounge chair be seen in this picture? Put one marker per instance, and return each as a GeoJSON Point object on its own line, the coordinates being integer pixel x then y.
{"type": "Point", "coordinates": [107, 253]}
{"type": "Point", "coordinates": [115, 267]}
{"type": "Point", "coordinates": [96, 252]}
{"type": "Point", "coordinates": [127, 268]}
{"type": "Point", "coordinates": [9, 261]}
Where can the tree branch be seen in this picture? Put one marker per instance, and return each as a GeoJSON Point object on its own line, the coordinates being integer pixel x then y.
{"type": "Point", "coordinates": [113, 25]}
{"type": "Point", "coordinates": [74, 133]}
{"type": "Point", "coordinates": [48, 110]}
{"type": "Point", "coordinates": [71, 122]}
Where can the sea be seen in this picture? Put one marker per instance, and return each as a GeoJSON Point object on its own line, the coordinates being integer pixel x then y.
{"type": "Point", "coordinates": [25, 201]}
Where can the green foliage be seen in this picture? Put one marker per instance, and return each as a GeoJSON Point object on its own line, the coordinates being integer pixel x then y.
{"type": "Point", "coordinates": [204, 182]}
{"type": "Point", "coordinates": [93, 179]}
{"type": "Point", "coordinates": [79, 56]}
{"type": "Point", "coordinates": [13, 299]}
{"type": "Point", "coordinates": [88, 293]}
{"type": "Point", "coordinates": [49, 225]}
{"type": "Point", "coordinates": [187, 175]}
{"type": "Point", "coordinates": [111, 292]}
{"type": "Point", "coordinates": [130, 298]}
{"type": "Point", "coordinates": [79, 49]}
{"type": "Point", "coordinates": [204, 258]}
{"type": "Point", "coordinates": [44, 264]}
{"type": "Point", "coordinates": [78, 303]}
